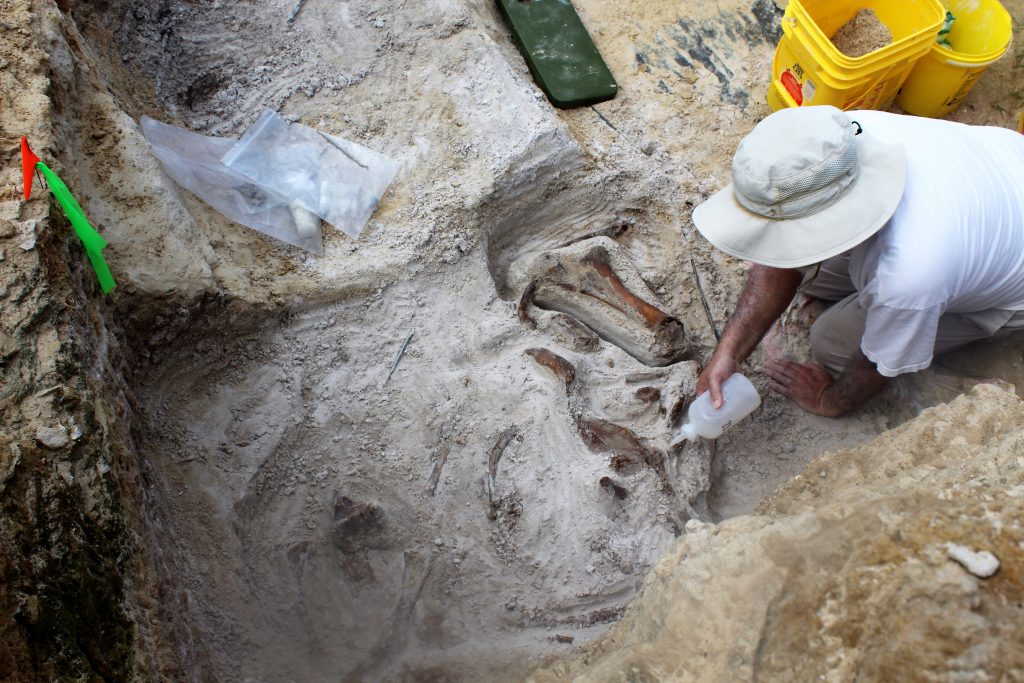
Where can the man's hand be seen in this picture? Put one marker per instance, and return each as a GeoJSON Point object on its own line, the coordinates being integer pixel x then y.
{"type": "Point", "coordinates": [811, 387]}
{"type": "Point", "coordinates": [720, 368]}
{"type": "Point", "coordinates": [804, 383]}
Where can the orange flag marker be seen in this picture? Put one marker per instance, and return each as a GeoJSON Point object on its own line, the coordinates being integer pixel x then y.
{"type": "Point", "coordinates": [28, 165]}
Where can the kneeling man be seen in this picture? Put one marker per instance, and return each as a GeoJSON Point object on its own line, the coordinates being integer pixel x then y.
{"type": "Point", "coordinates": [913, 227]}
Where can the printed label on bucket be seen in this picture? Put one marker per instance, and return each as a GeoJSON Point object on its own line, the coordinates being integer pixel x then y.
{"type": "Point", "coordinates": [808, 91]}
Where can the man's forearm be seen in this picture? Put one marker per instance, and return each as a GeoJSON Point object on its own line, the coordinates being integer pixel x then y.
{"type": "Point", "coordinates": [766, 294]}
{"type": "Point", "coordinates": [859, 381]}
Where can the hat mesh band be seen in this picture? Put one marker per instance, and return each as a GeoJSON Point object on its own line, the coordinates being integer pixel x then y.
{"type": "Point", "coordinates": [832, 175]}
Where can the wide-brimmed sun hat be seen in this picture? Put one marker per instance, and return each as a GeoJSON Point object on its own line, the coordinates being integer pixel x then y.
{"type": "Point", "coordinates": [807, 184]}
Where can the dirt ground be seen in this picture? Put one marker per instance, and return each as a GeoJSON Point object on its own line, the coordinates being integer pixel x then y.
{"type": "Point", "coordinates": [472, 514]}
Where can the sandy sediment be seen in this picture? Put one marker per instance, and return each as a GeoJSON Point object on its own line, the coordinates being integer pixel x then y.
{"type": "Point", "coordinates": [863, 34]}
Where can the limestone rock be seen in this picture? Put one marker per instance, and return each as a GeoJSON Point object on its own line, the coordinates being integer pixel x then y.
{"type": "Point", "coordinates": [53, 438]}
{"type": "Point", "coordinates": [982, 564]}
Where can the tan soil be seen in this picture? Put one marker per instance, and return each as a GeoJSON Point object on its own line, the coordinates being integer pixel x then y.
{"type": "Point", "coordinates": [863, 34]}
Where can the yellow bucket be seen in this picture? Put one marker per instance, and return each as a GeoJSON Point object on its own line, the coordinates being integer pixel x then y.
{"type": "Point", "coordinates": [808, 69]}
{"type": "Point", "coordinates": [941, 79]}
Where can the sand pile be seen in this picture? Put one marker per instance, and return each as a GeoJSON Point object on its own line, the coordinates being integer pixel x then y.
{"type": "Point", "coordinates": [863, 34]}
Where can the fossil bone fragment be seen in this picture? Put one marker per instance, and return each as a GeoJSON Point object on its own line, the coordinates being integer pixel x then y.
{"type": "Point", "coordinates": [597, 285]}
{"type": "Point", "coordinates": [562, 368]}
{"type": "Point", "coordinates": [493, 459]}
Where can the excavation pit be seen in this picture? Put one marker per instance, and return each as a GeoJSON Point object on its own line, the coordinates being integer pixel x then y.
{"type": "Point", "coordinates": [502, 496]}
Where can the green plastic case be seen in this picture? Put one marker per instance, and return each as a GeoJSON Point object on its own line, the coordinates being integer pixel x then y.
{"type": "Point", "coordinates": [560, 53]}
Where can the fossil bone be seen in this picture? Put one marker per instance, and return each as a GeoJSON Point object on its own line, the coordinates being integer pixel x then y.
{"type": "Point", "coordinates": [592, 282]}
{"type": "Point", "coordinates": [562, 368]}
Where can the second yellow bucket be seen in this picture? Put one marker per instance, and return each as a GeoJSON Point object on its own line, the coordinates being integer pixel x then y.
{"type": "Point", "coordinates": [942, 78]}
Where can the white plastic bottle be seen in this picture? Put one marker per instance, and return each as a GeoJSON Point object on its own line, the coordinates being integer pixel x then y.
{"type": "Point", "coordinates": [740, 398]}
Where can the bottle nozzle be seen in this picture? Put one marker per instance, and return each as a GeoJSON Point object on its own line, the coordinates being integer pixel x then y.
{"type": "Point", "coordinates": [686, 433]}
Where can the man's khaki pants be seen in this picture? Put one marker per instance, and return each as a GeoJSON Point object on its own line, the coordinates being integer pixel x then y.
{"type": "Point", "coordinates": [836, 334]}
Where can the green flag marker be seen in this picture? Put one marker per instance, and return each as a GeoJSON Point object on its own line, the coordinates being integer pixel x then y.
{"type": "Point", "coordinates": [91, 240]}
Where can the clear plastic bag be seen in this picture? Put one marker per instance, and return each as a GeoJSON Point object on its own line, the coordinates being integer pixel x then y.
{"type": "Point", "coordinates": [194, 162]}
{"type": "Point", "coordinates": [338, 180]}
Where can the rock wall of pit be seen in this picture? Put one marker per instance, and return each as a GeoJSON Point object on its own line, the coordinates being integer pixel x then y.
{"type": "Point", "coordinates": [81, 590]}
